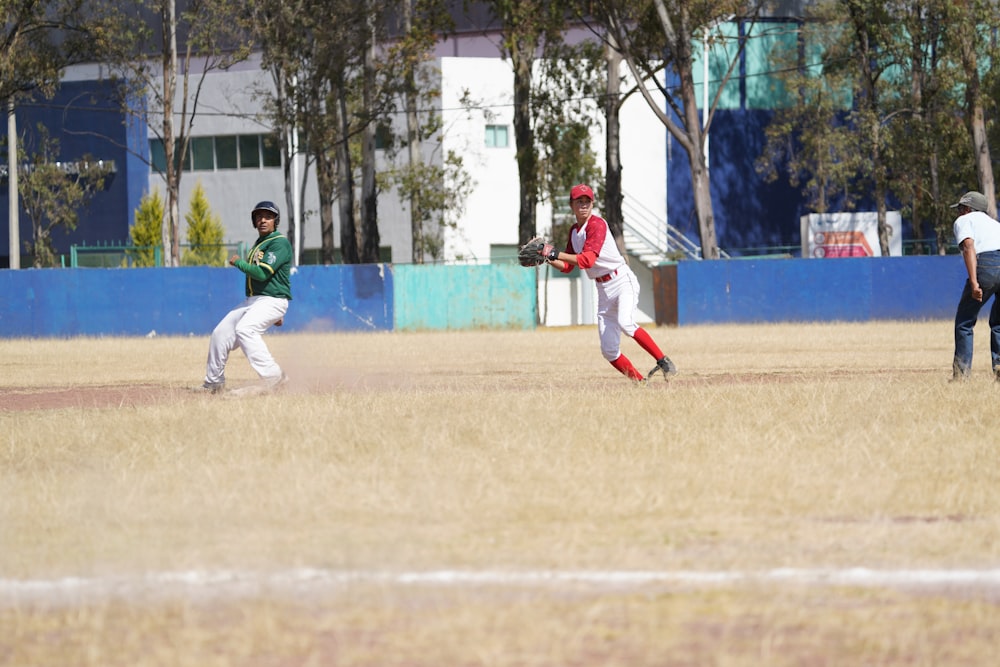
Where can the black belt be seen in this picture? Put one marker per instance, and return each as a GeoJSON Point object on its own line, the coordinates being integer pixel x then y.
{"type": "Point", "coordinates": [606, 277]}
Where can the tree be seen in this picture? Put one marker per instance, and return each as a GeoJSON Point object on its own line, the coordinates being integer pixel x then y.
{"type": "Point", "coordinates": [842, 110]}
{"type": "Point", "coordinates": [369, 193]}
{"type": "Point", "coordinates": [613, 99]}
{"type": "Point", "coordinates": [214, 38]}
{"type": "Point", "coordinates": [53, 191]}
{"type": "Point", "coordinates": [868, 26]}
{"type": "Point", "coordinates": [41, 38]}
{"type": "Point", "coordinates": [204, 233]}
{"type": "Point", "coordinates": [528, 28]}
{"type": "Point", "coordinates": [313, 47]}
{"type": "Point", "coordinates": [657, 35]}
{"type": "Point", "coordinates": [147, 230]}
{"type": "Point", "coordinates": [275, 26]}
{"type": "Point", "coordinates": [433, 184]}
{"type": "Point", "coordinates": [974, 46]}
{"type": "Point", "coordinates": [566, 116]}
{"type": "Point", "coordinates": [932, 153]}
{"type": "Point", "coordinates": [874, 114]}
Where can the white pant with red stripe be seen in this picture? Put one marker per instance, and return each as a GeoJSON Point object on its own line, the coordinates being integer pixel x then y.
{"type": "Point", "coordinates": [242, 327]}
{"type": "Point", "coordinates": [617, 303]}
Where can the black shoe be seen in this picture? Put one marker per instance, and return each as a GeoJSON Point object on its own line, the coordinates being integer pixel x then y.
{"type": "Point", "coordinates": [210, 388]}
{"type": "Point", "coordinates": [664, 365]}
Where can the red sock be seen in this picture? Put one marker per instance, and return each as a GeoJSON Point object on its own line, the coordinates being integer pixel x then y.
{"type": "Point", "coordinates": [626, 368]}
{"type": "Point", "coordinates": [647, 343]}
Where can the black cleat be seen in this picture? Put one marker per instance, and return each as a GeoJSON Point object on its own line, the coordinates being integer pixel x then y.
{"type": "Point", "coordinates": [666, 366]}
{"type": "Point", "coordinates": [210, 388]}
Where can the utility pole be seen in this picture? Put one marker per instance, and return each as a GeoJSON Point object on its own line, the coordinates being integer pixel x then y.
{"type": "Point", "coordinates": [14, 232]}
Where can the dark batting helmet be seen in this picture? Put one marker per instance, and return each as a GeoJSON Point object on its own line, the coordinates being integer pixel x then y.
{"type": "Point", "coordinates": [266, 206]}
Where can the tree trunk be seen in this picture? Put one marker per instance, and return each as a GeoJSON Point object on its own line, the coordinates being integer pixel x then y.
{"type": "Point", "coordinates": [977, 126]}
{"type": "Point", "coordinates": [522, 57]}
{"type": "Point", "coordinates": [695, 147]}
{"type": "Point", "coordinates": [170, 253]}
{"type": "Point", "coordinates": [613, 195]}
{"type": "Point", "coordinates": [878, 183]}
{"type": "Point", "coordinates": [412, 145]}
{"type": "Point", "coordinates": [700, 182]}
{"type": "Point", "coordinates": [369, 195]}
{"type": "Point", "coordinates": [345, 182]}
{"type": "Point", "coordinates": [981, 151]}
{"type": "Point", "coordinates": [326, 185]}
{"type": "Point", "coordinates": [883, 227]}
{"type": "Point", "coordinates": [703, 208]}
{"type": "Point", "coordinates": [289, 148]}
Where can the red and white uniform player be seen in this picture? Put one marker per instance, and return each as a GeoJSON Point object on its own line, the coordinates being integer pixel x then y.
{"type": "Point", "coordinates": [592, 247]}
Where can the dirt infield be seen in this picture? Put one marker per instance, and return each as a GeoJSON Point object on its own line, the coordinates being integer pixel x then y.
{"type": "Point", "coordinates": [15, 399]}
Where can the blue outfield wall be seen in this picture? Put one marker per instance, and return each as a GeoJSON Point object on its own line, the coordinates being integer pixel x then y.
{"type": "Point", "coordinates": [382, 297]}
{"type": "Point", "coordinates": [184, 300]}
{"type": "Point", "coordinates": [810, 290]}
{"type": "Point", "coordinates": [191, 300]}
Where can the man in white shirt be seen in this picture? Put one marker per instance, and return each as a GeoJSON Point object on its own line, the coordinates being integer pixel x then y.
{"type": "Point", "coordinates": [978, 237]}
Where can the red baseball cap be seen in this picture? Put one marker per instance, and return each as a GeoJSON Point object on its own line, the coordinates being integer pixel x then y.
{"type": "Point", "coordinates": [581, 191]}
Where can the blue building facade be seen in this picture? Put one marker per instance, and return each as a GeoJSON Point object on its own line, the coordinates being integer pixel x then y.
{"type": "Point", "coordinates": [87, 122]}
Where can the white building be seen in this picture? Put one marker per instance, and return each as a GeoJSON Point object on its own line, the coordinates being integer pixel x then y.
{"type": "Point", "coordinates": [228, 115]}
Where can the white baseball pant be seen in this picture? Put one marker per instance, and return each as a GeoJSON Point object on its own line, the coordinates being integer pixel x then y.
{"type": "Point", "coordinates": [242, 327]}
{"type": "Point", "coordinates": [617, 302]}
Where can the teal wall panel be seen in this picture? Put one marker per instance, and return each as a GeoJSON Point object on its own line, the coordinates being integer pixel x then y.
{"type": "Point", "coordinates": [497, 296]}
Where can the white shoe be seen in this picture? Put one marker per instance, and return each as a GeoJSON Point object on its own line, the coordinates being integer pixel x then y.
{"type": "Point", "coordinates": [276, 384]}
{"type": "Point", "coordinates": [263, 387]}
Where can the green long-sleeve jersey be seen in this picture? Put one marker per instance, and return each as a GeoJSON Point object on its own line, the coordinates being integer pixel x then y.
{"type": "Point", "coordinates": [268, 267]}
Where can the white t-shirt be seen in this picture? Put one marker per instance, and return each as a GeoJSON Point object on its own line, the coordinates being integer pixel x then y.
{"type": "Point", "coordinates": [981, 228]}
{"type": "Point", "coordinates": [595, 236]}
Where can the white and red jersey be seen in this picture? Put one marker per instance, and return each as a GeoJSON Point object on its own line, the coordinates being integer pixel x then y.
{"type": "Point", "coordinates": [595, 248]}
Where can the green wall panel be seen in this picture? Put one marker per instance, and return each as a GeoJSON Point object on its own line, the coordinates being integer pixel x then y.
{"type": "Point", "coordinates": [497, 296]}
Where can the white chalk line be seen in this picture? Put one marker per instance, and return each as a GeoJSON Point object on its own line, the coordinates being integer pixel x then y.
{"type": "Point", "coordinates": [223, 582]}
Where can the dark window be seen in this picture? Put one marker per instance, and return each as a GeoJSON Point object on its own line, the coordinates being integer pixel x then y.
{"type": "Point", "coordinates": [249, 151]}
{"type": "Point", "coordinates": [272, 150]}
{"type": "Point", "coordinates": [383, 137]}
{"type": "Point", "coordinates": [157, 156]}
{"type": "Point", "coordinates": [225, 153]}
{"type": "Point", "coordinates": [203, 153]}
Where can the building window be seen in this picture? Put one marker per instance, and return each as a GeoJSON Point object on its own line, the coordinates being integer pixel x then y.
{"type": "Point", "coordinates": [225, 152]}
{"type": "Point", "coordinates": [203, 153]}
{"type": "Point", "coordinates": [496, 136]}
{"type": "Point", "coordinates": [245, 151]}
{"type": "Point", "coordinates": [157, 156]}
{"type": "Point", "coordinates": [770, 50]}
{"type": "Point", "coordinates": [249, 151]}
{"type": "Point", "coordinates": [383, 137]}
{"type": "Point", "coordinates": [270, 150]}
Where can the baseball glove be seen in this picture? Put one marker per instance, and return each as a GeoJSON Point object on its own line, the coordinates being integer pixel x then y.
{"type": "Point", "coordinates": [535, 252]}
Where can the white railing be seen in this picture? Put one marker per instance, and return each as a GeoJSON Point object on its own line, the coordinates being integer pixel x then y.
{"type": "Point", "coordinates": [652, 237]}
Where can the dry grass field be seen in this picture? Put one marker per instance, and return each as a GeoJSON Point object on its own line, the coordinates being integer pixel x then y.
{"type": "Point", "coordinates": [810, 494]}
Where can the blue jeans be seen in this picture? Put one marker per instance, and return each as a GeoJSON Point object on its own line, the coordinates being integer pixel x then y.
{"type": "Point", "coordinates": [988, 275]}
